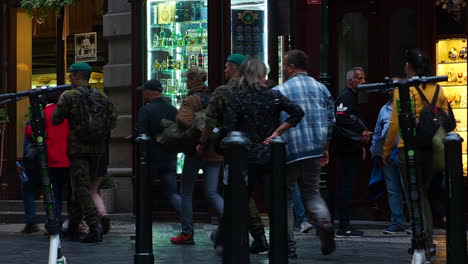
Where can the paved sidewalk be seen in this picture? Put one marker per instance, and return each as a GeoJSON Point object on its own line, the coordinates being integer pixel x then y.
{"type": "Point", "coordinates": [118, 248]}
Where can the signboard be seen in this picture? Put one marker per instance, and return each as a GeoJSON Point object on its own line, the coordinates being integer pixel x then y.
{"type": "Point", "coordinates": [86, 47]}
{"type": "Point", "coordinates": [248, 33]}
{"type": "Point", "coordinates": [314, 2]}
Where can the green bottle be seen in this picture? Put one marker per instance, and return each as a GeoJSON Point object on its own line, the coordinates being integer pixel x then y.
{"type": "Point", "coordinates": [155, 40]}
{"type": "Point", "coordinates": [180, 39]}
{"type": "Point", "coordinates": [199, 38]}
{"type": "Point", "coordinates": [185, 61]}
{"type": "Point", "coordinates": [173, 38]}
{"type": "Point", "coordinates": [170, 62]}
{"type": "Point", "coordinates": [162, 38]}
{"type": "Point", "coordinates": [187, 39]}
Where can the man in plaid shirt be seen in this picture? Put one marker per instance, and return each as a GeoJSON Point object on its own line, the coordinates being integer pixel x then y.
{"type": "Point", "coordinates": [307, 148]}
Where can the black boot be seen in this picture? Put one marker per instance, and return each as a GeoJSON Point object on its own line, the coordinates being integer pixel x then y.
{"type": "Point", "coordinates": [260, 244]}
{"type": "Point", "coordinates": [94, 235]}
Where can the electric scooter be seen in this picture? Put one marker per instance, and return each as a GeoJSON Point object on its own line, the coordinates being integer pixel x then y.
{"type": "Point", "coordinates": [53, 225]}
{"type": "Point", "coordinates": [421, 254]}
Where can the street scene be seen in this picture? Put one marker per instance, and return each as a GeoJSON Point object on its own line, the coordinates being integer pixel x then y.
{"type": "Point", "coordinates": [233, 131]}
{"type": "Point", "coordinates": [119, 248]}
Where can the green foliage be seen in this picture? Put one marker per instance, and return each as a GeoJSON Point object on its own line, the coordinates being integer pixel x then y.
{"type": "Point", "coordinates": [106, 182]}
{"type": "Point", "coordinates": [4, 116]}
{"type": "Point", "coordinates": [44, 6]}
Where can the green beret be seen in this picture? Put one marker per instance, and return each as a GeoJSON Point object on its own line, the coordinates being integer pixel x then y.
{"type": "Point", "coordinates": [236, 58]}
{"type": "Point", "coordinates": [80, 66]}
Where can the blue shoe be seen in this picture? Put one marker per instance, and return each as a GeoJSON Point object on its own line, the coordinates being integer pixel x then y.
{"type": "Point", "coordinates": [393, 229]}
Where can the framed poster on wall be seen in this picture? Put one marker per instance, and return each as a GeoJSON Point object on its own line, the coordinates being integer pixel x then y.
{"type": "Point", "coordinates": [86, 47]}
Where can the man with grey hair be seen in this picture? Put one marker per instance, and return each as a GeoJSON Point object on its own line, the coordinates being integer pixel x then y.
{"type": "Point", "coordinates": [350, 136]}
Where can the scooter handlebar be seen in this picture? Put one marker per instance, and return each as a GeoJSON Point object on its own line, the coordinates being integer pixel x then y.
{"type": "Point", "coordinates": [386, 86]}
{"type": "Point", "coordinates": [35, 91]}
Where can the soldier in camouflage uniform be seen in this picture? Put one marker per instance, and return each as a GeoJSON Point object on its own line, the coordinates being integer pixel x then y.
{"type": "Point", "coordinates": [214, 118]}
{"type": "Point", "coordinates": [84, 157]}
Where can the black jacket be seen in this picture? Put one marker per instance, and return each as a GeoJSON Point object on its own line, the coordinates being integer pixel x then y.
{"type": "Point", "coordinates": [148, 122]}
{"type": "Point", "coordinates": [349, 126]}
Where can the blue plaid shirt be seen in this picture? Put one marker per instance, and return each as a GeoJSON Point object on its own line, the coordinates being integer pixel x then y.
{"type": "Point", "coordinates": [309, 138]}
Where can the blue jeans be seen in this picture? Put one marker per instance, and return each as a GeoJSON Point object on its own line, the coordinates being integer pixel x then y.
{"type": "Point", "coordinates": [189, 174]}
{"type": "Point", "coordinates": [166, 171]}
{"type": "Point", "coordinates": [298, 207]}
{"type": "Point", "coordinates": [394, 191]}
{"type": "Point", "coordinates": [350, 162]}
{"type": "Point", "coordinates": [29, 190]}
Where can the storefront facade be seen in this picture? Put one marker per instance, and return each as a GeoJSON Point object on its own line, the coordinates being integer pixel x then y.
{"type": "Point", "coordinates": [337, 36]}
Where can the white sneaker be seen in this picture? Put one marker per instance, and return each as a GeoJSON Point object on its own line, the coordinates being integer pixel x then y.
{"type": "Point", "coordinates": [306, 227]}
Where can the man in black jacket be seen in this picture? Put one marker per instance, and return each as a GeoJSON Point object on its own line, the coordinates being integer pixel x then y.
{"type": "Point", "coordinates": [350, 136]}
{"type": "Point", "coordinates": [162, 164]}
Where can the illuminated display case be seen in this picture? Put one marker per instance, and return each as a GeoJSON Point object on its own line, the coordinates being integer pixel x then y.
{"type": "Point", "coordinates": [451, 59]}
{"type": "Point", "coordinates": [177, 39]}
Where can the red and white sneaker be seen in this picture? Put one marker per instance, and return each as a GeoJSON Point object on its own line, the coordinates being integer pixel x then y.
{"type": "Point", "coordinates": [183, 239]}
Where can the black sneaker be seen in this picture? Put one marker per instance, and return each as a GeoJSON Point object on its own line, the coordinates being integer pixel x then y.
{"type": "Point", "coordinates": [259, 244]}
{"type": "Point", "coordinates": [30, 228]}
{"type": "Point", "coordinates": [348, 232]}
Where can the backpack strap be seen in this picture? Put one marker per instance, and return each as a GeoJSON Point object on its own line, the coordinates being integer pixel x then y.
{"type": "Point", "coordinates": [432, 106]}
{"type": "Point", "coordinates": [205, 98]}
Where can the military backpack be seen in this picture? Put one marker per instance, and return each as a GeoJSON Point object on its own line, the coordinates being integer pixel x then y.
{"type": "Point", "coordinates": [96, 118]}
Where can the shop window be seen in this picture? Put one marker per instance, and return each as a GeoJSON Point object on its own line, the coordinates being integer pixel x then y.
{"type": "Point", "coordinates": [352, 45]}
{"type": "Point", "coordinates": [403, 34]}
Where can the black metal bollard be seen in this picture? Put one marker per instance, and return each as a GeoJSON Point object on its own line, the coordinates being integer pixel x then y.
{"type": "Point", "coordinates": [278, 210]}
{"type": "Point", "coordinates": [235, 234]}
{"type": "Point", "coordinates": [456, 226]}
{"type": "Point", "coordinates": [144, 228]}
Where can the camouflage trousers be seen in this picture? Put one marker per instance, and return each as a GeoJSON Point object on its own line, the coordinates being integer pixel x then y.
{"type": "Point", "coordinates": [83, 171]}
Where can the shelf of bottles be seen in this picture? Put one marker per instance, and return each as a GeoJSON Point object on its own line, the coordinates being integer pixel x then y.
{"type": "Point", "coordinates": [176, 39]}
{"type": "Point", "coordinates": [451, 58]}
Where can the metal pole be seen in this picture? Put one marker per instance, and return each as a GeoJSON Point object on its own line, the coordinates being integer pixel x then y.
{"type": "Point", "coordinates": [324, 77]}
{"type": "Point", "coordinates": [278, 214]}
{"type": "Point", "coordinates": [235, 232]}
{"type": "Point", "coordinates": [456, 226]}
{"type": "Point", "coordinates": [144, 228]}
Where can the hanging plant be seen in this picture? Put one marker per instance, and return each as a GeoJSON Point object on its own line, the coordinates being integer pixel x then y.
{"type": "Point", "coordinates": [4, 116]}
{"type": "Point", "coordinates": [39, 9]}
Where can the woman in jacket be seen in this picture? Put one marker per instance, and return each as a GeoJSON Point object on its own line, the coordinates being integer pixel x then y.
{"type": "Point", "coordinates": [416, 65]}
{"type": "Point", "coordinates": [255, 110]}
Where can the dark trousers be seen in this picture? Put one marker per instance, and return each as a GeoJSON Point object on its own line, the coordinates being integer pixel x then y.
{"type": "Point", "coordinates": [257, 174]}
{"type": "Point", "coordinates": [58, 177]}
{"type": "Point", "coordinates": [350, 163]}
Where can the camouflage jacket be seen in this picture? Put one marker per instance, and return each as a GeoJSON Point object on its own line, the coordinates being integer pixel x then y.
{"type": "Point", "coordinates": [218, 103]}
{"type": "Point", "coordinates": [67, 107]}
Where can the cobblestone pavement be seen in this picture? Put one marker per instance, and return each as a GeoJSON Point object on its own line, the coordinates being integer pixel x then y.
{"type": "Point", "coordinates": [118, 248]}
